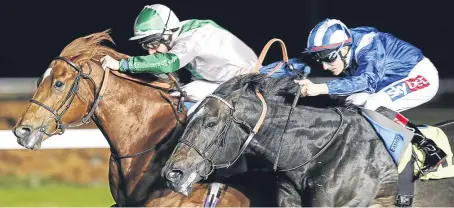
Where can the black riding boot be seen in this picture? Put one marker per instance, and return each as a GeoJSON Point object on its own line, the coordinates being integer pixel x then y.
{"type": "Point", "coordinates": [433, 154]}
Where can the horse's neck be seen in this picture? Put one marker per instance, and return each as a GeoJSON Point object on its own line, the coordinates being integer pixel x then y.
{"type": "Point", "coordinates": [133, 115]}
{"type": "Point", "coordinates": [308, 130]}
{"type": "Point", "coordinates": [134, 118]}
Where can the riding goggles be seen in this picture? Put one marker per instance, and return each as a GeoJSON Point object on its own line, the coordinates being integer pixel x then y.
{"type": "Point", "coordinates": [151, 42]}
{"type": "Point", "coordinates": [326, 56]}
{"type": "Point", "coordinates": [154, 44]}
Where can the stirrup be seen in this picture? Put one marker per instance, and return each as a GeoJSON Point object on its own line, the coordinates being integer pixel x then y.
{"type": "Point", "coordinates": [404, 200]}
{"type": "Point", "coordinates": [430, 166]}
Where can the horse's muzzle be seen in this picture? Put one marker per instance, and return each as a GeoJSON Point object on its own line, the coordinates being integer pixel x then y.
{"type": "Point", "coordinates": [28, 137]}
{"type": "Point", "coordinates": [178, 180]}
{"type": "Point", "coordinates": [174, 176]}
{"type": "Point", "coordinates": [22, 132]}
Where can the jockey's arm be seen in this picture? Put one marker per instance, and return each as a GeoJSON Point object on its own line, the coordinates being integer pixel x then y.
{"type": "Point", "coordinates": [183, 52]}
{"type": "Point", "coordinates": [369, 72]}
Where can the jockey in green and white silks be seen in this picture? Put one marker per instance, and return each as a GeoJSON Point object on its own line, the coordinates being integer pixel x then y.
{"type": "Point", "coordinates": [211, 53]}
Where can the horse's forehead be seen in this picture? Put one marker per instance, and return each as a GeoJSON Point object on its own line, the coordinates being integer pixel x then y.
{"type": "Point", "coordinates": [53, 67]}
{"type": "Point", "coordinates": [47, 73]}
{"type": "Point", "coordinates": [199, 112]}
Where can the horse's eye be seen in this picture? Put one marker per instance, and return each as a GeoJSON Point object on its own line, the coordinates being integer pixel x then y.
{"type": "Point", "coordinates": [58, 84]}
{"type": "Point", "coordinates": [210, 124]}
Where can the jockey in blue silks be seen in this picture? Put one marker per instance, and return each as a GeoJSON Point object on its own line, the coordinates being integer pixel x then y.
{"type": "Point", "coordinates": [379, 69]}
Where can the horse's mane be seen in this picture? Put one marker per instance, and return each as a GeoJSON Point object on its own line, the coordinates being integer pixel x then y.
{"type": "Point", "coordinates": [91, 47]}
{"type": "Point", "coordinates": [272, 87]}
{"type": "Point", "coordinates": [252, 81]}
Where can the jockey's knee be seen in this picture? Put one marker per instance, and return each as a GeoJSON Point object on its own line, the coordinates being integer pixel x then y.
{"type": "Point", "coordinates": [358, 99]}
{"type": "Point", "coordinates": [378, 99]}
{"type": "Point", "coordinates": [191, 106]}
{"type": "Point", "coordinates": [188, 105]}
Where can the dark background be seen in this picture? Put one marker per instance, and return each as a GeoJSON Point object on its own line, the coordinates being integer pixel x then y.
{"type": "Point", "coordinates": [34, 32]}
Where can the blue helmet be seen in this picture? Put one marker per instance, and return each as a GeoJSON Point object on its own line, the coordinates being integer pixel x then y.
{"type": "Point", "coordinates": [328, 34]}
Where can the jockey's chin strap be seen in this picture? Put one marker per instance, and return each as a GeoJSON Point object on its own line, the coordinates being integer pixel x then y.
{"type": "Point", "coordinates": [344, 58]}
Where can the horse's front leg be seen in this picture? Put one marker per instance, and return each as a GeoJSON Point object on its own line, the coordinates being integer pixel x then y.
{"type": "Point", "coordinates": [287, 194]}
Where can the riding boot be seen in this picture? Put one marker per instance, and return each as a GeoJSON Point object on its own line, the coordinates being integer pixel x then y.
{"type": "Point", "coordinates": [434, 156]}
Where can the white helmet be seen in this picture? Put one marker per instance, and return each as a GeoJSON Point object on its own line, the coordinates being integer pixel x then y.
{"type": "Point", "coordinates": [154, 19]}
{"type": "Point", "coordinates": [328, 34]}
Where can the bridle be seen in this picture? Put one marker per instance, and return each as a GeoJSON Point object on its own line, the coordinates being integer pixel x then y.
{"type": "Point", "coordinates": [220, 138]}
{"type": "Point", "coordinates": [58, 113]}
{"type": "Point", "coordinates": [98, 95]}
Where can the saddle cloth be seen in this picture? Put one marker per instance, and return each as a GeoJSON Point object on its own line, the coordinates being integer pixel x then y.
{"type": "Point", "coordinates": [397, 140]}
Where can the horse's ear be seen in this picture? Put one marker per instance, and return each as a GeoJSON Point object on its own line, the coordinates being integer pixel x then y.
{"type": "Point", "coordinates": [98, 37]}
{"type": "Point", "coordinates": [109, 37]}
{"type": "Point", "coordinates": [40, 79]}
{"type": "Point", "coordinates": [108, 31]}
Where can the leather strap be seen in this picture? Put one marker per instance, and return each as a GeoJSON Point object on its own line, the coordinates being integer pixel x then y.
{"type": "Point", "coordinates": [155, 84]}
{"type": "Point", "coordinates": [264, 110]}
{"type": "Point", "coordinates": [86, 118]}
{"type": "Point", "coordinates": [256, 70]}
{"type": "Point", "coordinates": [265, 51]}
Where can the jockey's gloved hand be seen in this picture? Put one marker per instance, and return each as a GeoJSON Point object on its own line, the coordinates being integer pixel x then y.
{"type": "Point", "coordinates": [311, 89]}
{"type": "Point", "coordinates": [175, 94]}
{"type": "Point", "coordinates": [109, 62]}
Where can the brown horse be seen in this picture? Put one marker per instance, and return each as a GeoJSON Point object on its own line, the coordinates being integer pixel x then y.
{"type": "Point", "coordinates": [140, 123]}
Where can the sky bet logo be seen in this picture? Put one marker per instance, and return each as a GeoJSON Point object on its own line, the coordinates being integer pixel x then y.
{"type": "Point", "coordinates": [405, 87]}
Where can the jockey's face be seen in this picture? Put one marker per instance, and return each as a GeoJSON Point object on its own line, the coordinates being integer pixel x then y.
{"type": "Point", "coordinates": [335, 65]}
{"type": "Point", "coordinates": [160, 49]}
{"type": "Point", "coordinates": [155, 43]}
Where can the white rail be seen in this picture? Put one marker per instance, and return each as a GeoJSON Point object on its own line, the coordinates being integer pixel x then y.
{"type": "Point", "coordinates": [28, 85]}
{"type": "Point", "coordinates": [72, 138]}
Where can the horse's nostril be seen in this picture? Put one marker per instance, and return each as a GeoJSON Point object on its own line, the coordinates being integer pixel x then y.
{"type": "Point", "coordinates": [22, 132]}
{"type": "Point", "coordinates": [174, 175]}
